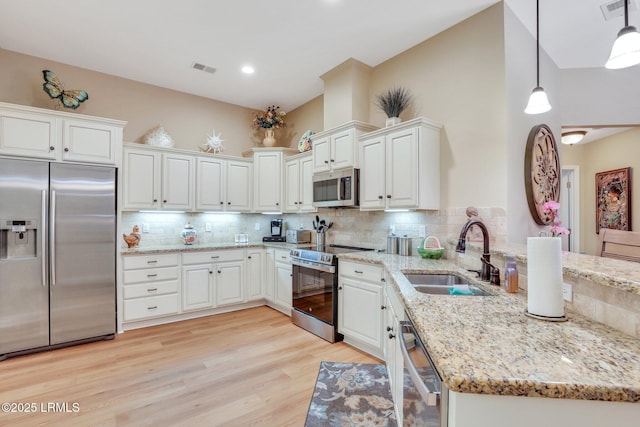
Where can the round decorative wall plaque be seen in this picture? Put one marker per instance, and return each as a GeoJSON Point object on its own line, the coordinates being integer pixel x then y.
{"type": "Point", "coordinates": [541, 171]}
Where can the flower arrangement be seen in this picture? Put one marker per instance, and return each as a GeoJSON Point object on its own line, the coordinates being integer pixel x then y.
{"type": "Point", "coordinates": [269, 118]}
{"type": "Point", "coordinates": [551, 208]}
{"type": "Point", "coordinates": [394, 101]}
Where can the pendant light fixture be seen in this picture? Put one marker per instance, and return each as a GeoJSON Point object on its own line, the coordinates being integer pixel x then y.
{"type": "Point", "coordinates": [626, 49]}
{"type": "Point", "coordinates": [538, 101]}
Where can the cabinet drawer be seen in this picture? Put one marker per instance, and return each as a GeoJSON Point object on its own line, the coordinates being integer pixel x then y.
{"type": "Point", "coordinates": [150, 275]}
{"type": "Point", "coordinates": [149, 261]}
{"type": "Point", "coordinates": [369, 272]}
{"type": "Point", "coordinates": [151, 289]}
{"type": "Point", "coordinates": [212, 257]}
{"type": "Point", "coordinates": [143, 308]}
{"type": "Point", "coordinates": [282, 255]}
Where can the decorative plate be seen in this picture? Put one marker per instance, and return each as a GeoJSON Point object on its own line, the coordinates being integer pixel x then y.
{"type": "Point", "coordinates": [541, 172]}
{"type": "Point", "coordinates": [305, 142]}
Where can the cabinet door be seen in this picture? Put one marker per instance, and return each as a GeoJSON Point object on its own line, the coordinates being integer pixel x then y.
{"type": "Point", "coordinates": [254, 275]}
{"type": "Point", "coordinates": [239, 185]}
{"type": "Point", "coordinates": [210, 184]}
{"type": "Point", "coordinates": [343, 149]}
{"type": "Point", "coordinates": [284, 290]}
{"type": "Point", "coordinates": [402, 169]}
{"type": "Point", "coordinates": [268, 182]}
{"type": "Point", "coordinates": [177, 181]}
{"type": "Point", "coordinates": [141, 179]}
{"type": "Point", "coordinates": [372, 173]}
{"type": "Point", "coordinates": [30, 135]}
{"type": "Point", "coordinates": [292, 186]}
{"type": "Point", "coordinates": [269, 275]}
{"type": "Point", "coordinates": [321, 154]}
{"type": "Point", "coordinates": [360, 314]}
{"type": "Point", "coordinates": [229, 283]}
{"type": "Point", "coordinates": [89, 142]}
{"type": "Point", "coordinates": [197, 289]}
{"type": "Point", "coordinates": [306, 185]}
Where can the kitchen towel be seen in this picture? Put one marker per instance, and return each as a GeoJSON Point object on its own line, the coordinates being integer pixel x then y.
{"type": "Point", "coordinates": [544, 276]}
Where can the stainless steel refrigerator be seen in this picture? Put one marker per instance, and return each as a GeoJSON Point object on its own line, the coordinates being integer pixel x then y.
{"type": "Point", "coordinates": [57, 255]}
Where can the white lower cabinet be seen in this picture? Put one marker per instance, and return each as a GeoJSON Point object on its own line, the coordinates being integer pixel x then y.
{"type": "Point", "coordinates": [269, 275]}
{"type": "Point", "coordinates": [254, 278]}
{"type": "Point", "coordinates": [197, 287]}
{"type": "Point", "coordinates": [361, 305]}
{"type": "Point", "coordinates": [282, 282]}
{"type": "Point", "coordinates": [229, 283]}
{"type": "Point", "coordinates": [392, 351]}
{"type": "Point", "coordinates": [150, 286]}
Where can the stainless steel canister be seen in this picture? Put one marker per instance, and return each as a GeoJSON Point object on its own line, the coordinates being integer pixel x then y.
{"type": "Point", "coordinates": [320, 240]}
{"type": "Point", "coordinates": [404, 245]}
{"type": "Point", "coordinates": [392, 244]}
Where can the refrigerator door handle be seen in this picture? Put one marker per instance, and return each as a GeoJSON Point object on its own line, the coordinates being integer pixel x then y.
{"type": "Point", "coordinates": [52, 236]}
{"type": "Point", "coordinates": [43, 240]}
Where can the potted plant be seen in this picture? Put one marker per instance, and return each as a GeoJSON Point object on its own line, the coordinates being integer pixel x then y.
{"type": "Point", "coordinates": [393, 102]}
{"type": "Point", "coordinates": [269, 119]}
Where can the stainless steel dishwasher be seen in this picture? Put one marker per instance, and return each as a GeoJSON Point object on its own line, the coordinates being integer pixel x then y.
{"type": "Point", "coordinates": [424, 395]}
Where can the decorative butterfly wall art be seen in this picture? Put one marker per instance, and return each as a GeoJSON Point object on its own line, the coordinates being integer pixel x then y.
{"type": "Point", "coordinates": [69, 98]}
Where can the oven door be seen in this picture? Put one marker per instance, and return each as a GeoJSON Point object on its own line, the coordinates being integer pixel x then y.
{"type": "Point", "coordinates": [314, 291]}
{"type": "Point", "coordinates": [424, 393]}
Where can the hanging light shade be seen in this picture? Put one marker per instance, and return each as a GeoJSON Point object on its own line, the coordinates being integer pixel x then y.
{"type": "Point", "coordinates": [538, 101]}
{"type": "Point", "coordinates": [626, 49]}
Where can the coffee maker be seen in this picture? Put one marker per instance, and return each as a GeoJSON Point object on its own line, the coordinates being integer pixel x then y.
{"type": "Point", "coordinates": [276, 232]}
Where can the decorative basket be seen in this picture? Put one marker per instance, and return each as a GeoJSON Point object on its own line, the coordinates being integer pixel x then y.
{"type": "Point", "coordinates": [430, 248]}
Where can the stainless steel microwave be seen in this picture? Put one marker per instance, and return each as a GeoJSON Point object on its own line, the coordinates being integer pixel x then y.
{"type": "Point", "coordinates": [339, 188]}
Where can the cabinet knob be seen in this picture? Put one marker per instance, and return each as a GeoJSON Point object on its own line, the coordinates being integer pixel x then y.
{"type": "Point", "coordinates": [382, 307]}
{"type": "Point", "coordinates": [229, 203]}
{"type": "Point", "coordinates": [291, 275]}
{"type": "Point", "coordinates": [164, 201]}
{"type": "Point", "coordinates": [210, 272]}
{"type": "Point", "coordinates": [380, 197]}
{"type": "Point", "coordinates": [326, 161]}
{"type": "Point", "coordinates": [388, 196]}
{"type": "Point", "coordinates": [383, 280]}
{"type": "Point", "coordinates": [66, 149]}
{"type": "Point", "coordinates": [295, 203]}
{"type": "Point", "coordinates": [332, 161]}
{"type": "Point", "coordinates": [299, 203]}
{"type": "Point", "coordinates": [222, 203]}
{"type": "Point", "coordinates": [339, 288]}
{"type": "Point", "coordinates": [391, 336]}
{"type": "Point", "coordinates": [277, 204]}
{"type": "Point", "coordinates": [389, 328]}
{"type": "Point", "coordinates": [51, 148]}
{"type": "Point", "coordinates": [155, 200]}
{"type": "Point", "coordinates": [219, 271]}
{"type": "Point", "coordinates": [249, 257]}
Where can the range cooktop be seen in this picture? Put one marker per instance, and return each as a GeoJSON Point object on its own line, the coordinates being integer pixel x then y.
{"type": "Point", "coordinates": [324, 254]}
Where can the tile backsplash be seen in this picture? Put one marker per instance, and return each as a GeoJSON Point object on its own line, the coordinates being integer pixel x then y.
{"type": "Point", "coordinates": [350, 226]}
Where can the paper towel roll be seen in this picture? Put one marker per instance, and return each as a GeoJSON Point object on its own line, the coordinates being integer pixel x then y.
{"type": "Point", "coordinates": [544, 276]}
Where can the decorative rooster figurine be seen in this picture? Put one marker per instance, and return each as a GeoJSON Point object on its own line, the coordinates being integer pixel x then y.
{"type": "Point", "coordinates": [133, 238]}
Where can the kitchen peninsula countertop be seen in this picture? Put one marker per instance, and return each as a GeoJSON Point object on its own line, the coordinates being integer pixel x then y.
{"type": "Point", "coordinates": [146, 250]}
{"type": "Point", "coordinates": [487, 345]}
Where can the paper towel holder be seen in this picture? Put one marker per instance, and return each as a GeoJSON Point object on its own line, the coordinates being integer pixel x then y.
{"type": "Point", "coordinates": [563, 318]}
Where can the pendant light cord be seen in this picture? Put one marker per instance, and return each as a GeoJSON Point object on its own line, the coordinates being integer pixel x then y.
{"type": "Point", "coordinates": [626, 13]}
{"type": "Point", "coordinates": [538, 43]}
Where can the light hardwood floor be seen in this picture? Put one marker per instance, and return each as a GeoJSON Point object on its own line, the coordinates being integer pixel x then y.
{"type": "Point", "coordinates": [246, 368]}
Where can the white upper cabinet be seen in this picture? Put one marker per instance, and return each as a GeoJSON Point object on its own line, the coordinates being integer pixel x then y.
{"type": "Point", "coordinates": [53, 135]}
{"type": "Point", "coordinates": [337, 148]}
{"type": "Point", "coordinates": [299, 184]}
{"type": "Point", "coordinates": [400, 167]}
{"type": "Point", "coordinates": [158, 180]}
{"type": "Point", "coordinates": [268, 178]}
{"type": "Point", "coordinates": [223, 185]}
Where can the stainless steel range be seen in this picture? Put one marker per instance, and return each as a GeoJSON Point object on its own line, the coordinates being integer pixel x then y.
{"type": "Point", "coordinates": [315, 289]}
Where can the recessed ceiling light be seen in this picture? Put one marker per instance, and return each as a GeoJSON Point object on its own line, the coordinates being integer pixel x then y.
{"type": "Point", "coordinates": [248, 69]}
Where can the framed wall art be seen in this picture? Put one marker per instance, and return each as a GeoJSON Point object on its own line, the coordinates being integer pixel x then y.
{"type": "Point", "coordinates": [613, 199]}
{"type": "Point", "coordinates": [541, 172]}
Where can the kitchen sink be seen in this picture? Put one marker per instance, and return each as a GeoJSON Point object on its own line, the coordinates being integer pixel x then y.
{"type": "Point", "coordinates": [444, 284]}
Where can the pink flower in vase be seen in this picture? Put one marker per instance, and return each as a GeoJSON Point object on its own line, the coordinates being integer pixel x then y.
{"type": "Point", "coordinates": [551, 208]}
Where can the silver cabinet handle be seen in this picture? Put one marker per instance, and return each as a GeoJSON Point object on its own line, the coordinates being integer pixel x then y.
{"type": "Point", "coordinates": [52, 236]}
{"type": "Point", "coordinates": [215, 257]}
{"type": "Point", "coordinates": [358, 271]}
{"type": "Point", "coordinates": [152, 275]}
{"type": "Point", "coordinates": [152, 261]}
{"type": "Point", "coordinates": [153, 307]}
{"type": "Point", "coordinates": [152, 289]}
{"type": "Point", "coordinates": [43, 239]}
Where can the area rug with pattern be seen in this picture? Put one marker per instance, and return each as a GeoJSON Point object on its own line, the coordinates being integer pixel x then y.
{"type": "Point", "coordinates": [351, 394]}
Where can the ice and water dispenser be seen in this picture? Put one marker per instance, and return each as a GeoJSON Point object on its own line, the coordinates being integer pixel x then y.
{"type": "Point", "coordinates": [18, 239]}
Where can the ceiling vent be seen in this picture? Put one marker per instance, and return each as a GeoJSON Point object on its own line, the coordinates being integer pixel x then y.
{"type": "Point", "coordinates": [615, 8]}
{"type": "Point", "coordinates": [202, 67]}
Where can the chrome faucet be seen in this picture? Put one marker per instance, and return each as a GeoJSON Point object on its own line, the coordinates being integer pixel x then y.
{"type": "Point", "coordinates": [488, 272]}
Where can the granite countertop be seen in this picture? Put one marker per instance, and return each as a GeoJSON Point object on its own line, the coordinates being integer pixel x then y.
{"type": "Point", "coordinates": [487, 345]}
{"type": "Point", "coordinates": [206, 247]}
{"type": "Point", "coordinates": [614, 273]}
